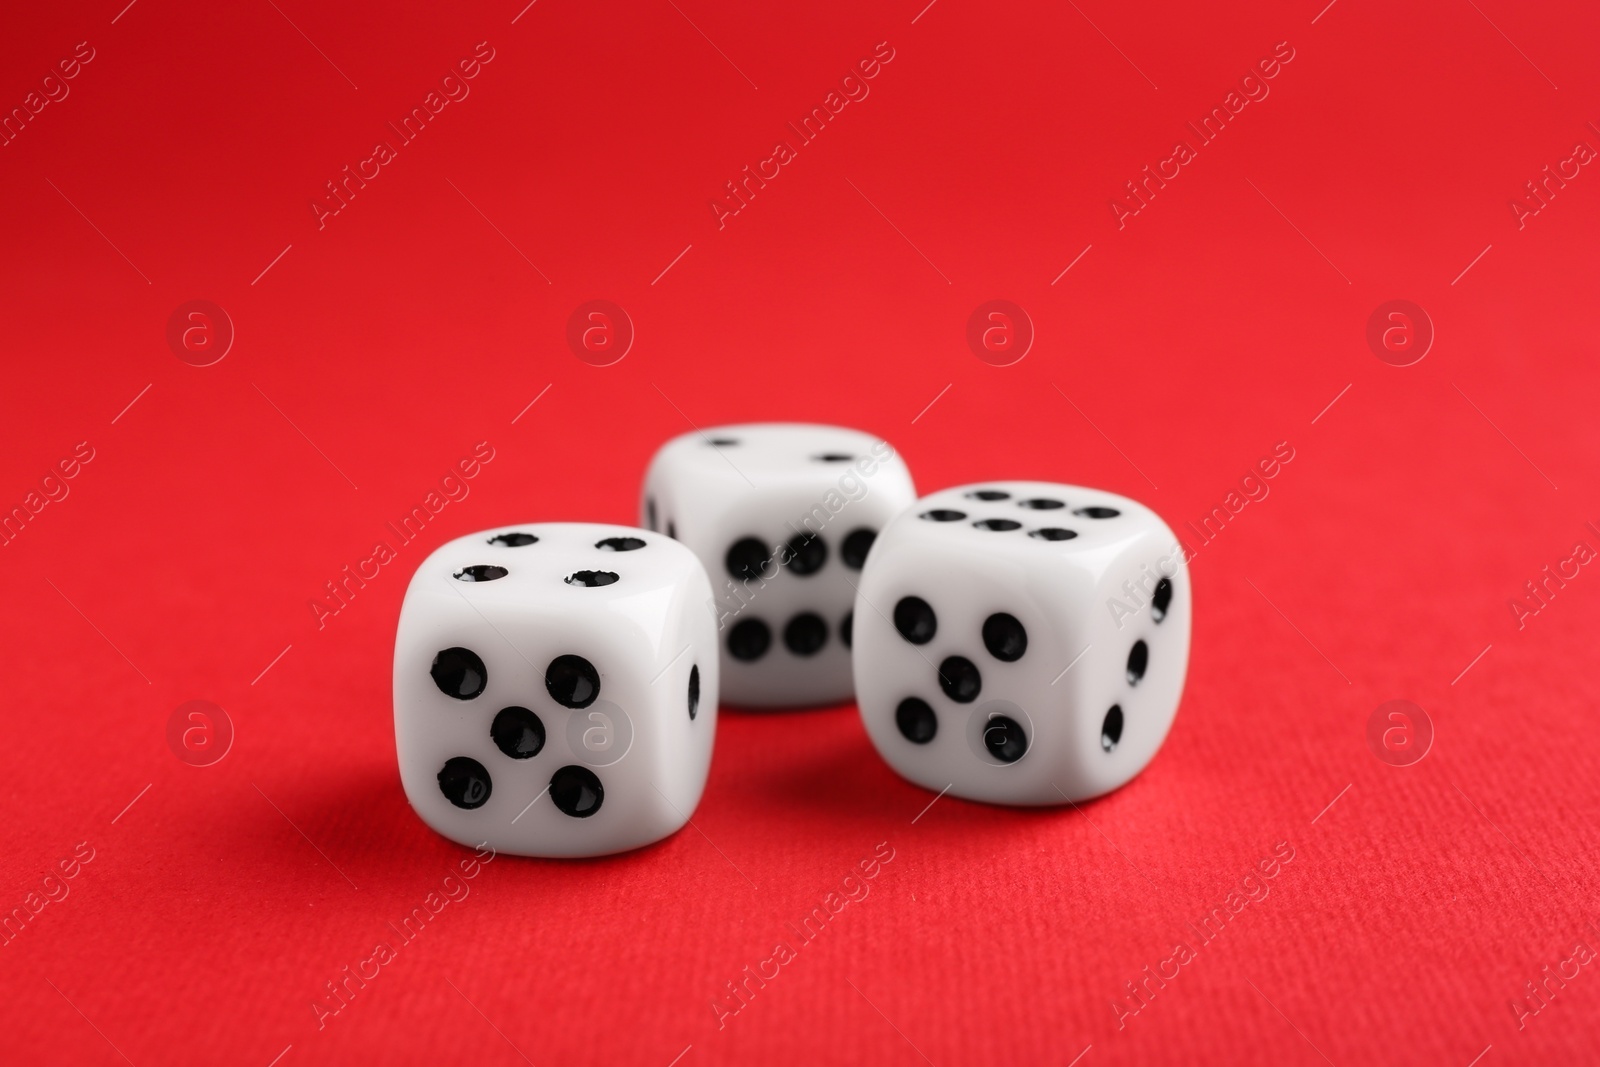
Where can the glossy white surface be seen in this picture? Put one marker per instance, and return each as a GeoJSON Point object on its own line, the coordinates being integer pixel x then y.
{"type": "Point", "coordinates": [773, 482]}
{"type": "Point", "coordinates": [643, 634]}
{"type": "Point", "coordinates": [1081, 623]}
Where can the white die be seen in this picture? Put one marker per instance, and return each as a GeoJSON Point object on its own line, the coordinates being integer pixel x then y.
{"type": "Point", "coordinates": [782, 515]}
{"type": "Point", "coordinates": [1022, 642]}
{"type": "Point", "coordinates": [555, 688]}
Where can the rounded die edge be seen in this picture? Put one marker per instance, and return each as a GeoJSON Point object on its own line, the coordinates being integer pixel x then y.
{"type": "Point", "coordinates": [699, 450]}
{"type": "Point", "coordinates": [1023, 494]}
{"type": "Point", "coordinates": [577, 545]}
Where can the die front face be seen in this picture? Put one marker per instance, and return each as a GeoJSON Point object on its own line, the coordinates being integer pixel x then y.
{"type": "Point", "coordinates": [555, 688]}
{"type": "Point", "coordinates": [782, 516]}
{"type": "Point", "coordinates": [1022, 642]}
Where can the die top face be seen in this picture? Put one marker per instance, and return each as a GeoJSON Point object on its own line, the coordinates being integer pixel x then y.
{"type": "Point", "coordinates": [556, 688]}
{"type": "Point", "coordinates": [554, 567]}
{"type": "Point", "coordinates": [772, 481]}
{"type": "Point", "coordinates": [1016, 668]}
{"type": "Point", "coordinates": [766, 455]}
{"type": "Point", "coordinates": [1060, 543]}
{"type": "Point", "coordinates": [1043, 520]}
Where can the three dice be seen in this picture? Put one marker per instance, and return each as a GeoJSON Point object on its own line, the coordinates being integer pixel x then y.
{"type": "Point", "coordinates": [557, 684]}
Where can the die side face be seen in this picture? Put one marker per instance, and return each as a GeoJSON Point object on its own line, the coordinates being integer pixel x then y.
{"type": "Point", "coordinates": [556, 688]}
{"type": "Point", "coordinates": [938, 703]}
{"type": "Point", "coordinates": [782, 516]}
{"type": "Point", "coordinates": [987, 658]}
{"type": "Point", "coordinates": [1139, 631]}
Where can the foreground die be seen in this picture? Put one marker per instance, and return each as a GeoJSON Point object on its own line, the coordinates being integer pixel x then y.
{"type": "Point", "coordinates": [555, 688]}
{"type": "Point", "coordinates": [1022, 642]}
{"type": "Point", "coordinates": [782, 516]}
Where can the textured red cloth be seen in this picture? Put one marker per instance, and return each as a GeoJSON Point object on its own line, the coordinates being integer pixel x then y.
{"type": "Point", "coordinates": [380, 336]}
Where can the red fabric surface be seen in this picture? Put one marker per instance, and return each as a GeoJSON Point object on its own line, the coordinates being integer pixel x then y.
{"type": "Point", "coordinates": [374, 352]}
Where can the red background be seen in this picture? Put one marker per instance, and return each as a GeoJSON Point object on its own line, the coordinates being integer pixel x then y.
{"type": "Point", "coordinates": [1220, 320]}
